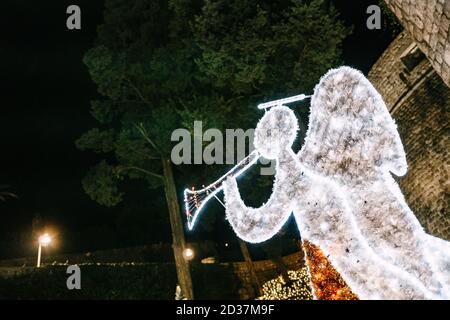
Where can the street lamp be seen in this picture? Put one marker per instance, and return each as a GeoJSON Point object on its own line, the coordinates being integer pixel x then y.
{"type": "Point", "coordinates": [44, 241]}
{"type": "Point", "coordinates": [188, 254]}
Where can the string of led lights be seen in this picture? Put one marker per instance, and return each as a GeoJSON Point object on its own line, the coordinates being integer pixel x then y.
{"type": "Point", "coordinates": [298, 289]}
{"type": "Point", "coordinates": [340, 189]}
{"type": "Point", "coordinates": [195, 200]}
{"type": "Point", "coordinates": [326, 282]}
{"type": "Point", "coordinates": [282, 102]}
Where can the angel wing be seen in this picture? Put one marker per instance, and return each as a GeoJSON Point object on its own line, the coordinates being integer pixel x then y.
{"type": "Point", "coordinates": [321, 215]}
{"type": "Point", "coordinates": [353, 140]}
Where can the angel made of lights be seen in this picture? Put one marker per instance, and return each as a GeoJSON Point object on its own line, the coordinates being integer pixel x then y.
{"type": "Point", "coordinates": [342, 194]}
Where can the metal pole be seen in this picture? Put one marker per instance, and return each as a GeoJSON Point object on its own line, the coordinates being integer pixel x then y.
{"type": "Point", "coordinates": [39, 256]}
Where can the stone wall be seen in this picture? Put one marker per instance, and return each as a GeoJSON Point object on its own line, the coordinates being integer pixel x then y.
{"type": "Point", "coordinates": [389, 74]}
{"type": "Point", "coordinates": [428, 21]}
{"type": "Point", "coordinates": [419, 101]}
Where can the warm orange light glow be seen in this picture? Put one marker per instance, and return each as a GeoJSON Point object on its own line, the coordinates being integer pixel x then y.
{"type": "Point", "coordinates": [45, 240]}
{"type": "Point", "coordinates": [188, 254]}
{"type": "Point", "coordinates": [326, 281]}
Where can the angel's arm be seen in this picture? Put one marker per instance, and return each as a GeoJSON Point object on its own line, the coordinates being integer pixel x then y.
{"type": "Point", "coordinates": [256, 224]}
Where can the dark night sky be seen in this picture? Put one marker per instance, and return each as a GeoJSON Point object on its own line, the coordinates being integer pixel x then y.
{"type": "Point", "coordinates": [46, 91]}
{"type": "Point", "coordinates": [45, 107]}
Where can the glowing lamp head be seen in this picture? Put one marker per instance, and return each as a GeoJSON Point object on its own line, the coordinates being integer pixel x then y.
{"type": "Point", "coordinates": [188, 254]}
{"type": "Point", "coordinates": [45, 240]}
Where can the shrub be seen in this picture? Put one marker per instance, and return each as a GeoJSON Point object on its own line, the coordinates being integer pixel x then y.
{"type": "Point", "coordinates": [155, 281]}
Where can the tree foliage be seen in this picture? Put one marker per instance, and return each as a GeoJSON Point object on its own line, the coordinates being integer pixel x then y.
{"type": "Point", "coordinates": [267, 48]}
{"type": "Point", "coordinates": [159, 65]}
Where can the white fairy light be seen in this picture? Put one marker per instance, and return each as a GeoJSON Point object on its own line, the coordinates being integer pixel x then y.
{"type": "Point", "coordinates": [371, 149]}
{"type": "Point", "coordinates": [195, 200]}
{"type": "Point", "coordinates": [299, 289]}
{"type": "Point", "coordinates": [202, 196]}
{"type": "Point", "coordinates": [340, 189]}
{"type": "Point", "coordinates": [340, 180]}
{"type": "Point", "coordinates": [283, 101]}
{"type": "Point", "coordinates": [299, 193]}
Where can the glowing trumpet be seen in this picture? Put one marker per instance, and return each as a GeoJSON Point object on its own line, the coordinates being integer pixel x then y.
{"type": "Point", "coordinates": [195, 200]}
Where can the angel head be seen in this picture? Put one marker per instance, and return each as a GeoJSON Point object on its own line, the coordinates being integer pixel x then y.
{"type": "Point", "coordinates": [350, 129]}
{"type": "Point", "coordinates": [275, 132]}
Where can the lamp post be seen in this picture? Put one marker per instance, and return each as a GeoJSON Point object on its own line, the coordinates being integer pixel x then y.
{"type": "Point", "coordinates": [44, 241]}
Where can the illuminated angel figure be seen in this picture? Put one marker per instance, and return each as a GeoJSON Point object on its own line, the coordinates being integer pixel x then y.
{"type": "Point", "coordinates": [342, 195]}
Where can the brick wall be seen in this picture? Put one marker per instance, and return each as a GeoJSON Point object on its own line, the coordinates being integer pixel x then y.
{"type": "Point", "coordinates": [428, 21]}
{"type": "Point", "coordinates": [419, 101]}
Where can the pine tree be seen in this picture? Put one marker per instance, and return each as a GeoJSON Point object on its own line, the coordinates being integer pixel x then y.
{"type": "Point", "coordinates": [159, 65]}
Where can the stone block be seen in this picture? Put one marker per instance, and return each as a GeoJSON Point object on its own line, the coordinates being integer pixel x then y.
{"type": "Point", "coordinates": [438, 58]}
{"type": "Point", "coordinates": [447, 54]}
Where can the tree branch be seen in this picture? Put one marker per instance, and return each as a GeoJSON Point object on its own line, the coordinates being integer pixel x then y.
{"type": "Point", "coordinates": [144, 133]}
{"type": "Point", "coordinates": [149, 157]}
{"type": "Point", "coordinates": [142, 170]}
{"type": "Point", "coordinates": [132, 101]}
{"type": "Point", "coordinates": [136, 89]}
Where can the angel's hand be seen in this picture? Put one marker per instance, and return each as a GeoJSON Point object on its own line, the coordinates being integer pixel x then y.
{"type": "Point", "coordinates": [255, 224]}
{"type": "Point", "coordinates": [230, 187]}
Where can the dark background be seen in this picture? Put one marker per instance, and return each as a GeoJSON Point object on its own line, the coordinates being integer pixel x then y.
{"type": "Point", "coordinates": [46, 91]}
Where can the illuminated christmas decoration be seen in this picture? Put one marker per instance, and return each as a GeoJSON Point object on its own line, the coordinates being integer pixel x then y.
{"type": "Point", "coordinates": [282, 102]}
{"type": "Point", "coordinates": [317, 281]}
{"type": "Point", "coordinates": [340, 189]}
{"type": "Point", "coordinates": [321, 214]}
{"type": "Point", "coordinates": [298, 289]}
{"type": "Point", "coordinates": [353, 141]}
{"type": "Point", "coordinates": [326, 282]}
{"type": "Point", "coordinates": [195, 200]}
